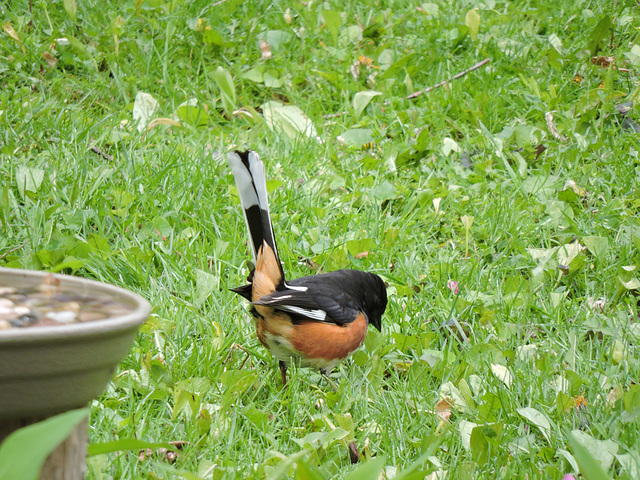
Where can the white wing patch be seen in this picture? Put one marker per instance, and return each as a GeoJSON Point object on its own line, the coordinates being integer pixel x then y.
{"type": "Point", "coordinates": [275, 299]}
{"type": "Point", "coordinates": [299, 289]}
{"type": "Point", "coordinates": [318, 315]}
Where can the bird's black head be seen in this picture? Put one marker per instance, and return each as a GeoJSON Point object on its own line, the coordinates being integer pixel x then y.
{"type": "Point", "coordinates": [375, 300]}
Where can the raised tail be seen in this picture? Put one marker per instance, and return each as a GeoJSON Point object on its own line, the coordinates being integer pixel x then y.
{"type": "Point", "coordinates": [248, 171]}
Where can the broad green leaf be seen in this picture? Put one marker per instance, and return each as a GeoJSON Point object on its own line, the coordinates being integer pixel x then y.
{"type": "Point", "coordinates": [593, 457]}
{"type": "Point", "coordinates": [117, 135]}
{"type": "Point", "coordinates": [542, 186]}
{"type": "Point", "coordinates": [411, 472]}
{"type": "Point", "coordinates": [71, 7]}
{"type": "Point", "coordinates": [23, 453]}
{"type": "Point", "coordinates": [193, 115]}
{"type": "Point", "coordinates": [598, 246]}
{"type": "Point", "coordinates": [564, 403]}
{"type": "Point", "coordinates": [631, 463]}
{"type": "Point", "coordinates": [271, 80]}
{"type": "Point", "coordinates": [185, 403]}
{"type": "Point", "coordinates": [395, 66]}
{"type": "Point", "coordinates": [522, 444]}
{"type": "Point", "coordinates": [305, 472]}
{"type": "Point", "coordinates": [255, 74]}
{"type": "Point", "coordinates": [349, 36]}
{"type": "Point", "coordinates": [126, 444]}
{"type": "Point", "coordinates": [633, 55]}
{"type": "Point", "coordinates": [333, 437]}
{"type": "Point", "coordinates": [479, 446]}
{"type": "Point", "coordinates": [173, 472]}
{"type": "Point", "coordinates": [568, 253]}
{"type": "Point", "coordinates": [370, 470]}
{"type": "Point", "coordinates": [498, 149]}
{"type": "Point", "coordinates": [472, 20]}
{"type": "Point", "coordinates": [161, 226]}
{"type": "Point", "coordinates": [259, 418]}
{"type": "Point", "coordinates": [275, 38]}
{"type": "Point", "coordinates": [5, 205]}
{"type": "Point", "coordinates": [311, 441]}
{"type": "Point", "coordinates": [333, 23]}
{"type": "Point", "coordinates": [466, 429]}
{"type": "Point", "coordinates": [289, 119]}
{"type": "Point", "coordinates": [361, 245]}
{"type": "Point", "coordinates": [449, 145]}
{"type": "Point", "coordinates": [78, 47]}
{"type": "Point", "coordinates": [569, 458]}
{"type": "Point", "coordinates": [450, 392]}
{"type": "Point", "coordinates": [527, 135]}
{"type": "Point", "coordinates": [69, 262]}
{"type": "Point", "coordinates": [538, 419]}
{"type": "Point", "coordinates": [587, 102]}
{"type": "Point", "coordinates": [227, 89]}
{"type": "Point", "coordinates": [156, 229]}
{"type": "Point", "coordinates": [362, 99]}
{"type": "Point", "coordinates": [431, 9]}
{"type": "Point", "coordinates": [143, 108]}
{"type": "Point", "coordinates": [50, 257]}
{"type": "Point", "coordinates": [600, 35]}
{"type": "Point", "coordinates": [384, 191]}
{"type": "Point", "coordinates": [28, 179]}
{"type": "Point", "coordinates": [357, 137]}
{"type": "Point", "coordinates": [627, 277]}
{"type": "Point", "coordinates": [345, 421]}
{"type": "Point", "coordinates": [631, 400]}
{"type": "Point", "coordinates": [212, 37]}
{"type": "Point", "coordinates": [556, 42]}
{"type": "Point", "coordinates": [503, 374]}
{"type": "Point", "coordinates": [206, 284]}
{"type": "Point", "coordinates": [281, 470]}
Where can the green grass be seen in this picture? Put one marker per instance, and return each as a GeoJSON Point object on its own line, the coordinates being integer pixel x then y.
{"type": "Point", "coordinates": [548, 230]}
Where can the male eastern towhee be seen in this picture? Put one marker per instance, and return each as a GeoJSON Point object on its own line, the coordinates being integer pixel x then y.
{"type": "Point", "coordinates": [316, 321]}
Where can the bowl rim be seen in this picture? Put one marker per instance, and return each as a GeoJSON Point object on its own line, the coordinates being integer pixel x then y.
{"type": "Point", "coordinates": [131, 320]}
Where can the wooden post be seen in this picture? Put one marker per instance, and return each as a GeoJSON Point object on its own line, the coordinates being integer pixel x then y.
{"type": "Point", "coordinates": [68, 460]}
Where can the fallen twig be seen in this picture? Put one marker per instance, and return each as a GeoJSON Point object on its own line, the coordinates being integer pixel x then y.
{"type": "Point", "coordinates": [237, 346]}
{"type": "Point", "coordinates": [455, 77]}
{"type": "Point", "coordinates": [426, 90]}
{"type": "Point", "coordinates": [104, 155]}
{"type": "Point", "coordinates": [14, 249]}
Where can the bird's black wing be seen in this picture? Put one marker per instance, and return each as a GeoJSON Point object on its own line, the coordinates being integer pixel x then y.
{"type": "Point", "coordinates": [314, 298]}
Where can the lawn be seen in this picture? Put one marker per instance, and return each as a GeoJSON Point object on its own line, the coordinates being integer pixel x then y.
{"type": "Point", "coordinates": [500, 207]}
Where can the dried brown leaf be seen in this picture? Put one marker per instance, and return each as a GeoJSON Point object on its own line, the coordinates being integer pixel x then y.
{"type": "Point", "coordinates": [162, 121]}
{"type": "Point", "coordinates": [443, 408]}
{"type": "Point", "coordinates": [50, 59]}
{"type": "Point", "coordinates": [603, 61]}
{"type": "Point", "coordinates": [265, 50]}
{"type": "Point", "coordinates": [167, 455]}
{"type": "Point", "coordinates": [8, 28]}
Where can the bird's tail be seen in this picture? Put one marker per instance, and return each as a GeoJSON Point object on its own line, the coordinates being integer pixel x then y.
{"type": "Point", "coordinates": [248, 171]}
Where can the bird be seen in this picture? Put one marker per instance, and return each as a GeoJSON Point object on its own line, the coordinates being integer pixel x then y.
{"type": "Point", "coordinates": [315, 321]}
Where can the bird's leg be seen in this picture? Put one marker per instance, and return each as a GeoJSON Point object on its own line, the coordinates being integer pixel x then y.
{"type": "Point", "coordinates": [325, 374]}
{"type": "Point", "coordinates": [283, 372]}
